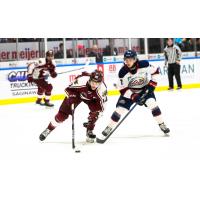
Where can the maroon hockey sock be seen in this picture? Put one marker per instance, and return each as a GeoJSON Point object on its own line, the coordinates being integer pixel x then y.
{"type": "Point", "coordinates": [51, 127]}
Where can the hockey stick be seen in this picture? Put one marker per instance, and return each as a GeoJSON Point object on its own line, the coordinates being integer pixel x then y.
{"type": "Point", "coordinates": [71, 70]}
{"type": "Point", "coordinates": [86, 64]}
{"type": "Point", "coordinates": [73, 131]}
{"type": "Point", "coordinates": [101, 141]}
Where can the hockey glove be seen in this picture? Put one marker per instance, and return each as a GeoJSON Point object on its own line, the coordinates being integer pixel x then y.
{"type": "Point", "coordinates": [30, 79]}
{"type": "Point", "coordinates": [138, 99]}
{"type": "Point", "coordinates": [92, 118]}
{"type": "Point", "coordinates": [135, 97]}
{"type": "Point", "coordinates": [53, 75]}
{"type": "Point", "coordinates": [85, 73]}
{"type": "Point", "coordinates": [150, 87]}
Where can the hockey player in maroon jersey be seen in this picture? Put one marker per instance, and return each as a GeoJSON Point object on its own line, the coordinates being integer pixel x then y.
{"type": "Point", "coordinates": [39, 73]}
{"type": "Point", "coordinates": [87, 88]}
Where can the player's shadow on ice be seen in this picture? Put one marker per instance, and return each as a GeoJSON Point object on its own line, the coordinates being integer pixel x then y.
{"type": "Point", "coordinates": [139, 136]}
{"type": "Point", "coordinates": [64, 142]}
{"type": "Point", "coordinates": [114, 137]}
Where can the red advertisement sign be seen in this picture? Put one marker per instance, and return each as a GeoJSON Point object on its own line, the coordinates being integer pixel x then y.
{"type": "Point", "coordinates": [112, 68]}
{"type": "Point", "coordinates": [71, 78]}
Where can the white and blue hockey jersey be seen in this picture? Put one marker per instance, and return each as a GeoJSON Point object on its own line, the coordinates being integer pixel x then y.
{"type": "Point", "coordinates": [134, 81]}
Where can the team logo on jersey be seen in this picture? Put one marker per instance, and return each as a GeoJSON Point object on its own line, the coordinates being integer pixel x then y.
{"type": "Point", "coordinates": [138, 81]}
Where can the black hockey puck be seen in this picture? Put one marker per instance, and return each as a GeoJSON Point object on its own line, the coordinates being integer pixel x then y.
{"type": "Point", "coordinates": [77, 151]}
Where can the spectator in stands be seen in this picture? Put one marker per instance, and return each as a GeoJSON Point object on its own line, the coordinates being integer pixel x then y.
{"type": "Point", "coordinates": [60, 53]}
{"type": "Point", "coordinates": [198, 44]}
{"type": "Point", "coordinates": [172, 55]}
{"type": "Point", "coordinates": [69, 53]}
{"type": "Point", "coordinates": [96, 54]}
{"type": "Point", "coordinates": [81, 51]}
{"type": "Point", "coordinates": [115, 53]}
{"type": "Point", "coordinates": [11, 40]}
{"type": "Point", "coordinates": [187, 44]}
{"type": "Point", "coordinates": [3, 40]}
{"type": "Point", "coordinates": [178, 42]}
{"type": "Point", "coordinates": [107, 51]}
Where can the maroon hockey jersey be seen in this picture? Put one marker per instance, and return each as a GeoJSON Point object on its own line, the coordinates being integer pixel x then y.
{"type": "Point", "coordinates": [42, 69]}
{"type": "Point", "coordinates": [81, 90]}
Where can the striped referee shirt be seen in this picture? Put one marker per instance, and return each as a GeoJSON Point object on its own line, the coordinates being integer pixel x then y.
{"type": "Point", "coordinates": [172, 54]}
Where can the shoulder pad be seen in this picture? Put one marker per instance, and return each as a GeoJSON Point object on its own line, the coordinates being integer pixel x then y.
{"type": "Point", "coordinates": [41, 61]}
{"type": "Point", "coordinates": [122, 72]}
{"type": "Point", "coordinates": [143, 63]}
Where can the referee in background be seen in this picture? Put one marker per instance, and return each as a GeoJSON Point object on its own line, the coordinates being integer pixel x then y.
{"type": "Point", "coordinates": [172, 55]}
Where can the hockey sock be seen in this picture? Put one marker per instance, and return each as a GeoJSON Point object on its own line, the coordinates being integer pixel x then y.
{"type": "Point", "coordinates": [46, 98]}
{"type": "Point", "coordinates": [156, 112]}
{"type": "Point", "coordinates": [116, 116]}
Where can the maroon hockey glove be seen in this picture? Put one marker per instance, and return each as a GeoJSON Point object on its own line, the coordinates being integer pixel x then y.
{"type": "Point", "coordinates": [92, 118]}
{"type": "Point", "coordinates": [30, 79]}
{"type": "Point", "coordinates": [85, 74]}
{"type": "Point", "coordinates": [135, 97]}
{"type": "Point", "coordinates": [53, 75]}
{"type": "Point", "coordinates": [139, 98]}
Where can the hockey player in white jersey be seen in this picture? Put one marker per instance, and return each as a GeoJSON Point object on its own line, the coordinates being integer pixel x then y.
{"type": "Point", "coordinates": [137, 82]}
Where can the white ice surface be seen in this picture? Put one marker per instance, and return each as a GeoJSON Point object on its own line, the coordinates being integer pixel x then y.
{"type": "Point", "coordinates": [136, 163]}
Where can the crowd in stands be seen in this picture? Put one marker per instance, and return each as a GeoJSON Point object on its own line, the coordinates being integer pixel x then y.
{"type": "Point", "coordinates": [89, 52]}
{"type": "Point", "coordinates": [185, 44]}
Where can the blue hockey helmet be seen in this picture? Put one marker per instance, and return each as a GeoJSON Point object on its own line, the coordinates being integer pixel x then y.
{"type": "Point", "coordinates": [130, 54]}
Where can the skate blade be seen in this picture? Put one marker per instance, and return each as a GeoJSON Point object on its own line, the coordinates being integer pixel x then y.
{"type": "Point", "coordinates": [49, 107]}
{"type": "Point", "coordinates": [90, 140]}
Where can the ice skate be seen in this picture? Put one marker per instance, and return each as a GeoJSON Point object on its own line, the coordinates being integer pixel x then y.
{"type": "Point", "coordinates": [164, 128]}
{"type": "Point", "coordinates": [44, 134]}
{"type": "Point", "coordinates": [48, 104]}
{"type": "Point", "coordinates": [39, 102]}
{"type": "Point", "coordinates": [90, 137]}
